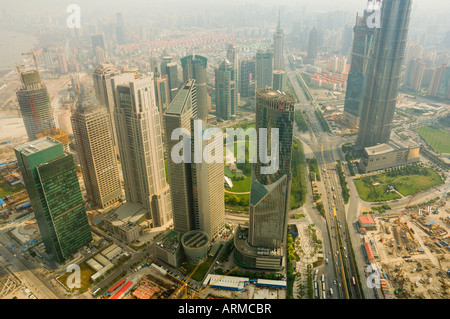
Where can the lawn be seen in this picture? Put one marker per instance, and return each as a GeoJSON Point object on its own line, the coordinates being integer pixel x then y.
{"type": "Point", "coordinates": [405, 184]}
{"type": "Point", "coordinates": [437, 139]}
{"type": "Point", "coordinates": [86, 273]}
{"type": "Point", "coordinates": [6, 189]}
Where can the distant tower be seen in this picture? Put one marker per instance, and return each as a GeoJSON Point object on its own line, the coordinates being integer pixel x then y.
{"type": "Point", "coordinates": [194, 67]}
{"type": "Point", "coordinates": [264, 69]}
{"type": "Point", "coordinates": [225, 91]}
{"type": "Point", "coordinates": [95, 148]}
{"type": "Point", "coordinates": [279, 80]}
{"type": "Point", "coordinates": [34, 103]}
{"type": "Point", "coordinates": [362, 47]}
{"type": "Point", "coordinates": [51, 182]}
{"type": "Point", "coordinates": [262, 244]}
{"type": "Point", "coordinates": [170, 68]}
{"type": "Point", "coordinates": [312, 46]}
{"type": "Point", "coordinates": [247, 77]}
{"type": "Point", "coordinates": [384, 73]}
{"type": "Point", "coordinates": [140, 146]}
{"type": "Point", "coordinates": [104, 91]}
{"type": "Point", "coordinates": [120, 29]}
{"type": "Point", "coordinates": [414, 74]}
{"type": "Point", "coordinates": [233, 57]}
{"type": "Point", "coordinates": [278, 47]}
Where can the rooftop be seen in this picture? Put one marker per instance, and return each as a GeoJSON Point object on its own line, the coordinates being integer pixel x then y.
{"type": "Point", "coordinates": [37, 145]}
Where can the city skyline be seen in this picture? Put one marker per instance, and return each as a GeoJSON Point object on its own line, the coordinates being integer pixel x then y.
{"type": "Point", "coordinates": [225, 150]}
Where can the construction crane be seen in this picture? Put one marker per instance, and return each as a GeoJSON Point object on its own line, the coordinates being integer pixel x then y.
{"type": "Point", "coordinates": [33, 54]}
{"type": "Point", "coordinates": [406, 208]}
{"type": "Point", "coordinates": [195, 296]}
{"type": "Point", "coordinates": [185, 281]}
{"type": "Point", "coordinates": [444, 196]}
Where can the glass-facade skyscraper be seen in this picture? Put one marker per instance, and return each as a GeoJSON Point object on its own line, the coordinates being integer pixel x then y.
{"type": "Point", "coordinates": [51, 182]}
{"type": "Point", "coordinates": [361, 49]}
{"type": "Point", "coordinates": [384, 74]}
{"type": "Point", "coordinates": [262, 244]}
{"type": "Point", "coordinates": [226, 90]}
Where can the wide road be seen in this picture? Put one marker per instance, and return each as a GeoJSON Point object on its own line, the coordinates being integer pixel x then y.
{"type": "Point", "coordinates": [326, 149]}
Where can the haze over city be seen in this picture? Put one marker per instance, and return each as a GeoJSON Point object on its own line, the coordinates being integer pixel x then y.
{"type": "Point", "coordinates": [234, 151]}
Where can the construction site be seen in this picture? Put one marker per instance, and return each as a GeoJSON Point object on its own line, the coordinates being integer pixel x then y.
{"type": "Point", "coordinates": [412, 253]}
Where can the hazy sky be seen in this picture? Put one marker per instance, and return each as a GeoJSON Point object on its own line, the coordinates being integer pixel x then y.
{"type": "Point", "coordinates": [439, 6]}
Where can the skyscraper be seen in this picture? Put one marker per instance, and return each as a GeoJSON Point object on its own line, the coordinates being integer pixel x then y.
{"type": "Point", "coordinates": [95, 148]}
{"type": "Point", "coordinates": [440, 82]}
{"type": "Point", "coordinates": [262, 244]}
{"type": "Point", "coordinates": [414, 74]}
{"type": "Point", "coordinates": [178, 115]}
{"type": "Point", "coordinates": [247, 77]}
{"type": "Point", "coordinates": [120, 29]}
{"type": "Point", "coordinates": [196, 188]}
{"type": "Point", "coordinates": [34, 103]}
{"type": "Point", "coordinates": [207, 184]}
{"type": "Point", "coordinates": [361, 50]}
{"type": "Point", "coordinates": [233, 57]}
{"type": "Point", "coordinates": [383, 76]}
{"type": "Point", "coordinates": [313, 43]}
{"type": "Point", "coordinates": [278, 47]}
{"type": "Point", "coordinates": [194, 67]}
{"type": "Point", "coordinates": [140, 146]}
{"type": "Point", "coordinates": [264, 69]}
{"type": "Point", "coordinates": [225, 90]}
{"type": "Point", "coordinates": [104, 91]}
{"type": "Point", "coordinates": [279, 80]}
{"type": "Point", "coordinates": [170, 68]}
{"type": "Point", "coordinates": [51, 182]}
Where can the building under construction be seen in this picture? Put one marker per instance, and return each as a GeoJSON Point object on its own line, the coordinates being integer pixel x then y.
{"type": "Point", "coordinates": [36, 109]}
{"type": "Point", "coordinates": [34, 104]}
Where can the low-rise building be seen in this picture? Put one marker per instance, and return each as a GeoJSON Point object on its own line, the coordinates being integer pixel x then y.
{"type": "Point", "coordinates": [383, 156]}
{"type": "Point", "coordinates": [366, 221]}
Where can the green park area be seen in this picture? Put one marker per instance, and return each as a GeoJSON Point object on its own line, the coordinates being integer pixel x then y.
{"type": "Point", "coordinates": [6, 189]}
{"type": "Point", "coordinates": [438, 139]}
{"type": "Point", "coordinates": [86, 273]}
{"type": "Point", "coordinates": [397, 182]}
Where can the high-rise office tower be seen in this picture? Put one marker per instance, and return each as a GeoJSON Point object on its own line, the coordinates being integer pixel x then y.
{"type": "Point", "coordinates": [178, 116]}
{"type": "Point", "coordinates": [247, 78]}
{"type": "Point", "coordinates": [383, 75]}
{"type": "Point", "coordinates": [262, 244]}
{"type": "Point", "coordinates": [264, 69]}
{"type": "Point", "coordinates": [34, 103]}
{"type": "Point", "coordinates": [92, 130]}
{"type": "Point", "coordinates": [225, 91]}
{"type": "Point", "coordinates": [170, 68]}
{"type": "Point", "coordinates": [51, 182]}
{"type": "Point", "coordinates": [207, 184]}
{"type": "Point", "coordinates": [120, 29]}
{"type": "Point", "coordinates": [440, 82]}
{"type": "Point", "coordinates": [140, 144]}
{"type": "Point", "coordinates": [362, 47]}
{"type": "Point", "coordinates": [313, 43]}
{"type": "Point", "coordinates": [196, 188]}
{"type": "Point", "coordinates": [414, 74]}
{"type": "Point", "coordinates": [194, 67]}
{"type": "Point", "coordinates": [98, 40]}
{"type": "Point", "coordinates": [104, 91]}
{"type": "Point", "coordinates": [279, 80]}
{"type": "Point", "coordinates": [278, 47]}
{"type": "Point", "coordinates": [233, 57]}
{"type": "Point", "coordinates": [162, 95]}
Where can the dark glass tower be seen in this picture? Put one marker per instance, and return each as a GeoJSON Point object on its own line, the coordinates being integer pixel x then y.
{"type": "Point", "coordinates": [361, 49]}
{"type": "Point", "coordinates": [52, 185]}
{"type": "Point", "coordinates": [265, 238]}
{"type": "Point", "coordinates": [383, 78]}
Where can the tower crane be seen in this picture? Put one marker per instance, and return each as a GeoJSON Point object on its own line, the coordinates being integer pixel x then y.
{"type": "Point", "coordinates": [185, 281]}
{"type": "Point", "coordinates": [406, 207]}
{"type": "Point", "coordinates": [33, 54]}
